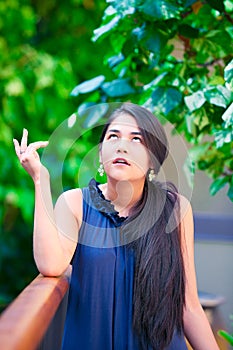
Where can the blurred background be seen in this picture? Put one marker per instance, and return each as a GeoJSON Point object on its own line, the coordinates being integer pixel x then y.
{"type": "Point", "coordinates": [59, 58]}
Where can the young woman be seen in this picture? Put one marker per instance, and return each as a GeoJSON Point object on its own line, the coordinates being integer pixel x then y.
{"type": "Point", "coordinates": [130, 243]}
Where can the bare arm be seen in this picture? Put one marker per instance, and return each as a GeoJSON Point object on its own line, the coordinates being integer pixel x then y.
{"type": "Point", "coordinates": [52, 250]}
{"type": "Point", "coordinates": [196, 326]}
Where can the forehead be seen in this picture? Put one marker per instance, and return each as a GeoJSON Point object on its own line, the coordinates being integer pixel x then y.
{"type": "Point", "coordinates": [124, 121]}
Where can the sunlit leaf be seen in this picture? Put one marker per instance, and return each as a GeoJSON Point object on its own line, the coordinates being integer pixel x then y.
{"type": "Point", "coordinates": [218, 184]}
{"type": "Point", "coordinates": [105, 28]}
{"type": "Point", "coordinates": [230, 195]}
{"type": "Point", "coordinates": [88, 86]}
{"type": "Point", "coordinates": [94, 114]}
{"type": "Point", "coordinates": [223, 136]}
{"type": "Point", "coordinates": [15, 87]}
{"type": "Point", "coordinates": [190, 124]}
{"type": "Point", "coordinates": [218, 95]}
{"type": "Point", "coordinates": [115, 60]}
{"type": "Point", "coordinates": [228, 116]}
{"type": "Point", "coordinates": [156, 40]}
{"type": "Point", "coordinates": [196, 151]}
{"type": "Point", "coordinates": [189, 2]}
{"type": "Point", "coordinates": [228, 75]}
{"type": "Point", "coordinates": [166, 99]}
{"type": "Point", "coordinates": [118, 87]}
{"type": "Point", "coordinates": [160, 9]}
{"type": "Point", "coordinates": [189, 170]}
{"type": "Point", "coordinates": [155, 81]}
{"type": "Point", "coordinates": [195, 101]}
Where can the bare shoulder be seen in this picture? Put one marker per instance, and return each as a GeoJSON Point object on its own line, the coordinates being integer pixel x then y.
{"type": "Point", "coordinates": [186, 227]}
{"type": "Point", "coordinates": [185, 207]}
{"type": "Point", "coordinates": [72, 199]}
{"type": "Point", "coordinates": [73, 195]}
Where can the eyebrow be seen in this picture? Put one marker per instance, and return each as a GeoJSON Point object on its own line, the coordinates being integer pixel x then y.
{"type": "Point", "coordinates": [132, 133]}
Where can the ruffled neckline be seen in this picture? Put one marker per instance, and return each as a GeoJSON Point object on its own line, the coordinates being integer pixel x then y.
{"type": "Point", "coordinates": [104, 205]}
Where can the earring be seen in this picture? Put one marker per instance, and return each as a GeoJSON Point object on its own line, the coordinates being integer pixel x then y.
{"type": "Point", "coordinates": [151, 175]}
{"type": "Point", "coordinates": [101, 170]}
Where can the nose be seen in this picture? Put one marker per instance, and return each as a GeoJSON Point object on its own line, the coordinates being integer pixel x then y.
{"type": "Point", "coordinates": [122, 147]}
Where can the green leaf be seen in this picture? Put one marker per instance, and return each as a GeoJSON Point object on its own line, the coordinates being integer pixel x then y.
{"type": "Point", "coordinates": [155, 40]}
{"type": "Point", "coordinates": [105, 28]}
{"type": "Point", "coordinates": [218, 184]}
{"type": "Point", "coordinates": [166, 99]}
{"type": "Point", "coordinates": [218, 95]}
{"type": "Point", "coordinates": [197, 151]}
{"type": "Point", "coordinates": [228, 75]}
{"type": "Point", "coordinates": [228, 116]}
{"type": "Point", "coordinates": [118, 87]}
{"type": "Point", "coordinates": [195, 101]}
{"type": "Point", "coordinates": [228, 5]}
{"type": "Point", "coordinates": [15, 87]}
{"type": "Point", "coordinates": [188, 3]}
{"type": "Point", "coordinates": [189, 170]}
{"type": "Point", "coordinates": [230, 195]}
{"type": "Point", "coordinates": [115, 60]}
{"type": "Point", "coordinates": [94, 114]}
{"type": "Point", "coordinates": [155, 81]}
{"type": "Point", "coordinates": [88, 86]}
{"type": "Point", "coordinates": [216, 4]}
{"type": "Point", "coordinates": [223, 136]}
{"type": "Point", "coordinates": [201, 120]}
{"type": "Point", "coordinates": [160, 9]}
{"type": "Point", "coordinates": [226, 336]}
{"type": "Point", "coordinates": [124, 7]}
{"type": "Point", "coordinates": [188, 31]}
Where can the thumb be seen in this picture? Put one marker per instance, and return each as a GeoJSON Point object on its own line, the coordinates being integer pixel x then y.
{"type": "Point", "coordinates": [44, 143]}
{"type": "Point", "coordinates": [39, 144]}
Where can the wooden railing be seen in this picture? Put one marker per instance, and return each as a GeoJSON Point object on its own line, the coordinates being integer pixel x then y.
{"type": "Point", "coordinates": [25, 322]}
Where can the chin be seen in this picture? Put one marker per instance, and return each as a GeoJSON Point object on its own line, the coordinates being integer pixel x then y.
{"type": "Point", "coordinates": [121, 177]}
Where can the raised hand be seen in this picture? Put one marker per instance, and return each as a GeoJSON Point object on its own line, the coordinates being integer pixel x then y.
{"type": "Point", "coordinates": [28, 155]}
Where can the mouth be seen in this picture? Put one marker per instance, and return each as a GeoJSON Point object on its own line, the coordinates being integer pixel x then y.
{"type": "Point", "coordinates": [121, 161]}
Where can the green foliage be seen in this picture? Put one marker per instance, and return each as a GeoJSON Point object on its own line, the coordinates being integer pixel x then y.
{"type": "Point", "coordinates": [45, 49]}
{"type": "Point", "coordinates": [175, 58]}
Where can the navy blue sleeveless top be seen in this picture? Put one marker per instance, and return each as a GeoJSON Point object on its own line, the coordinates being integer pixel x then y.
{"type": "Point", "coordinates": [100, 305]}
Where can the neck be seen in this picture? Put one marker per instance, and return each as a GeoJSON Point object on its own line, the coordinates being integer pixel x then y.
{"type": "Point", "coordinates": [123, 194]}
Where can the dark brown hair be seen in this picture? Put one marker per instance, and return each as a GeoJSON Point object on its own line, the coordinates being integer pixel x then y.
{"type": "Point", "coordinates": [159, 283]}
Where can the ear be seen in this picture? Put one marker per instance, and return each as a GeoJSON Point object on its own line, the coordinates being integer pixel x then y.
{"type": "Point", "coordinates": [100, 150]}
{"type": "Point", "coordinates": [151, 165]}
{"type": "Point", "coordinates": [100, 157]}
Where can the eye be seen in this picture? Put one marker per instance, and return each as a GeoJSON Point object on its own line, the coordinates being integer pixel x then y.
{"type": "Point", "coordinates": [137, 139]}
{"type": "Point", "coordinates": [112, 136]}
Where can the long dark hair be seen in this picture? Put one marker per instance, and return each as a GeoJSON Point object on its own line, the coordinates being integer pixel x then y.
{"type": "Point", "coordinates": [159, 283]}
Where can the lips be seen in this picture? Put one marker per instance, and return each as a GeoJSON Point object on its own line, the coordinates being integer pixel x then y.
{"type": "Point", "coordinates": [121, 161]}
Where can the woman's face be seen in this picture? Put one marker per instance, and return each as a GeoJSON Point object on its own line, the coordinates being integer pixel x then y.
{"type": "Point", "coordinates": [123, 153]}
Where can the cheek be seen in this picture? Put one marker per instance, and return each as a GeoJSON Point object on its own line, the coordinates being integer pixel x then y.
{"type": "Point", "coordinates": [140, 156]}
{"type": "Point", "coordinates": [106, 153]}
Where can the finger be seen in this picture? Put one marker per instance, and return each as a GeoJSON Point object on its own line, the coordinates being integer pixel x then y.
{"type": "Point", "coordinates": [24, 140]}
{"type": "Point", "coordinates": [38, 144]}
{"type": "Point", "coordinates": [17, 147]}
